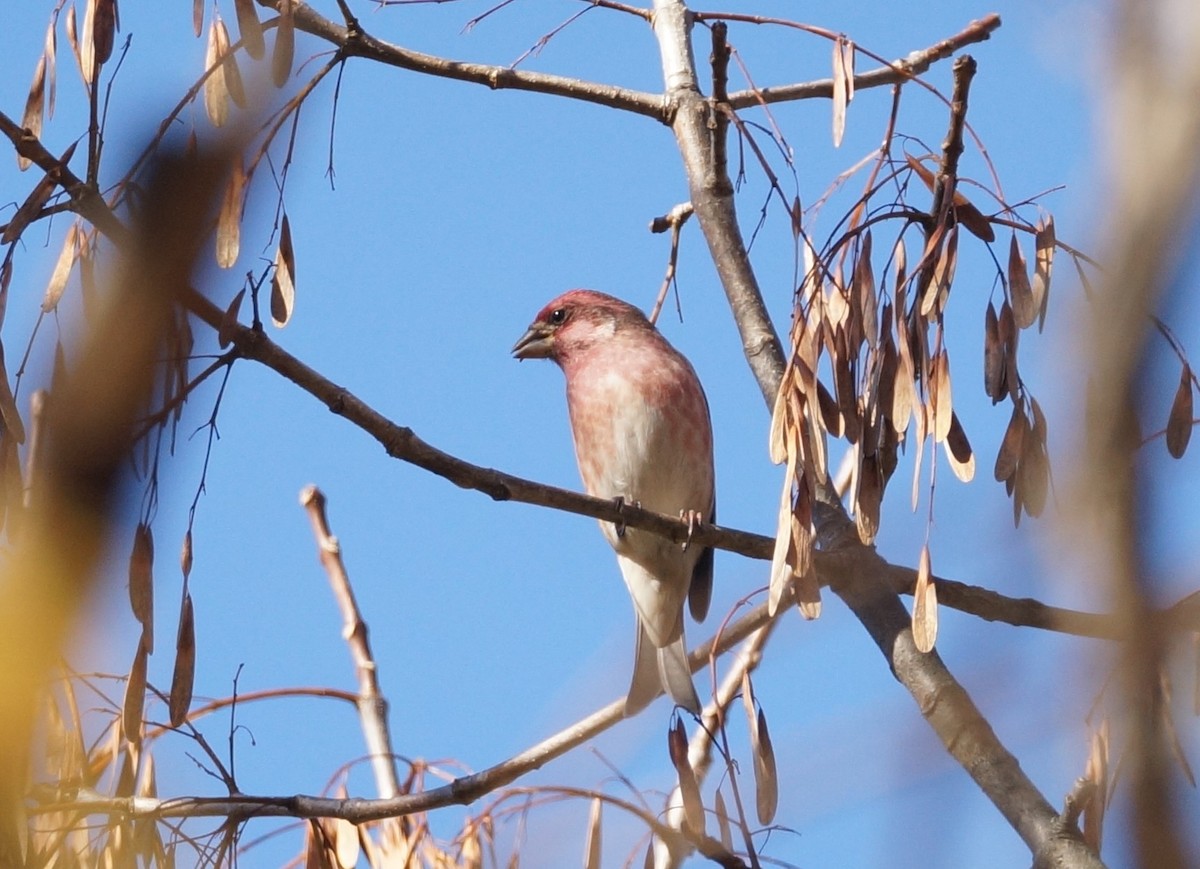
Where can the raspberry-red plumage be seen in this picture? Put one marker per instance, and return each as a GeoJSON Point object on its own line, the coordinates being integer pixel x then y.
{"type": "Point", "coordinates": [642, 433]}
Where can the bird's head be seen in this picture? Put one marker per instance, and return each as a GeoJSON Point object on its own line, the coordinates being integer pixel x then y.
{"type": "Point", "coordinates": [575, 321]}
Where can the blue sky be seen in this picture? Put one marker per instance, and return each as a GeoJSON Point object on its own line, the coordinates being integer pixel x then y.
{"type": "Point", "coordinates": [457, 212]}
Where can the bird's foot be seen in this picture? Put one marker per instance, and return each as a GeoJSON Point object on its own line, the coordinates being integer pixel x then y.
{"type": "Point", "coordinates": [692, 518]}
{"type": "Point", "coordinates": [619, 525]}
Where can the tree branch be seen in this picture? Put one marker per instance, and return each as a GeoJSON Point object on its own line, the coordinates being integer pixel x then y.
{"type": "Point", "coordinates": [859, 576]}
{"type": "Point", "coordinates": [372, 705]}
{"type": "Point", "coordinates": [359, 43]}
{"type": "Point", "coordinates": [900, 70]}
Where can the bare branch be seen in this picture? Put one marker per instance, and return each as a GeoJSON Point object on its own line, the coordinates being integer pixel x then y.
{"type": "Point", "coordinates": [898, 71]}
{"type": "Point", "coordinates": [372, 706]}
{"type": "Point", "coordinates": [359, 43]}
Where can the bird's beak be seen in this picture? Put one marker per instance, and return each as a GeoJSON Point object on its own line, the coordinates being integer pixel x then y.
{"type": "Point", "coordinates": [536, 343]}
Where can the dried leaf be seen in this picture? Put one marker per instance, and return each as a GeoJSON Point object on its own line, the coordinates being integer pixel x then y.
{"type": "Point", "coordinates": [776, 448]}
{"type": "Point", "coordinates": [841, 96]}
{"type": "Point", "coordinates": [766, 779]}
{"type": "Point", "coordinates": [958, 451]}
{"type": "Point", "coordinates": [943, 272]}
{"type": "Point", "coordinates": [250, 29]}
{"type": "Point", "coordinates": [185, 555]}
{"type": "Point", "coordinates": [781, 573]}
{"type": "Point", "coordinates": [233, 75]}
{"type": "Point", "coordinates": [73, 40]}
{"type": "Point", "coordinates": [198, 16]}
{"type": "Point", "coordinates": [1044, 243]}
{"type": "Point", "coordinates": [33, 204]}
{"type": "Point", "coordinates": [723, 824]}
{"type": "Point", "coordinates": [864, 290]}
{"type": "Point", "coordinates": [799, 557]}
{"type": "Point", "coordinates": [831, 414]}
{"type": "Point", "coordinates": [185, 663]}
{"type": "Point", "coordinates": [62, 270]}
{"type": "Point", "coordinates": [972, 219]}
{"type": "Point", "coordinates": [900, 258]}
{"type": "Point", "coordinates": [345, 842]}
{"type": "Point", "coordinates": [10, 415]}
{"type": "Point", "coordinates": [216, 90]}
{"type": "Point", "coordinates": [285, 45]}
{"type": "Point", "coordinates": [87, 45]}
{"type": "Point", "coordinates": [1179, 423]}
{"type": "Point", "coordinates": [924, 615]}
{"type": "Point", "coordinates": [1011, 447]}
{"type": "Point", "coordinates": [35, 106]}
{"type": "Point", "coordinates": [903, 391]}
{"type": "Point", "coordinates": [942, 404]}
{"type": "Point", "coordinates": [993, 357]}
{"type": "Point", "coordinates": [51, 54]}
{"type": "Point", "coordinates": [1009, 338]}
{"type": "Point", "coordinates": [868, 498]}
{"type": "Point", "coordinates": [283, 282]}
{"type": "Point", "coordinates": [141, 582]}
{"type": "Point", "coordinates": [1096, 772]}
{"type": "Point", "coordinates": [230, 219]}
{"type": "Point", "coordinates": [591, 849]}
{"type": "Point", "coordinates": [106, 27]}
{"type": "Point", "coordinates": [689, 789]}
{"type": "Point", "coordinates": [229, 320]}
{"type": "Point", "coordinates": [135, 698]}
{"type": "Point", "coordinates": [1024, 308]}
{"type": "Point", "coordinates": [1033, 474]}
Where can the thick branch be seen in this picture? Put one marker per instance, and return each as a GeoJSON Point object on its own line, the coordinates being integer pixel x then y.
{"type": "Point", "coordinates": [862, 581]}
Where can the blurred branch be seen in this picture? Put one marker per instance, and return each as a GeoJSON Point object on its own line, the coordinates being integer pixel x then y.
{"type": "Point", "coordinates": [85, 441]}
{"type": "Point", "coordinates": [1155, 174]}
{"type": "Point", "coordinates": [372, 706]}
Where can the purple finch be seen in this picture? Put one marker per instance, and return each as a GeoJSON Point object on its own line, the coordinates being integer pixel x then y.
{"type": "Point", "coordinates": [642, 435]}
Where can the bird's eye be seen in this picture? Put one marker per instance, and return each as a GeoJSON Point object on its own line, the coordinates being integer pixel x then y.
{"type": "Point", "coordinates": [558, 316]}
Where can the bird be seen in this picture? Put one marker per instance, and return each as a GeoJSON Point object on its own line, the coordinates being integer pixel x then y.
{"type": "Point", "coordinates": [643, 435]}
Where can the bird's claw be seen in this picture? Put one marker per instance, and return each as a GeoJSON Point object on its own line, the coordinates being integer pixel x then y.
{"type": "Point", "coordinates": [692, 518]}
{"type": "Point", "coordinates": [619, 525]}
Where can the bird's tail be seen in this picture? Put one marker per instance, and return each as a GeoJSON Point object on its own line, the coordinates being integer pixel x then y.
{"type": "Point", "coordinates": [656, 670]}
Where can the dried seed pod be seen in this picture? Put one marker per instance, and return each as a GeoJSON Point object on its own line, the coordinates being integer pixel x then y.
{"type": "Point", "coordinates": [993, 357]}
{"type": "Point", "coordinates": [62, 270]}
{"type": "Point", "coordinates": [283, 281]}
{"type": "Point", "coordinates": [229, 221]}
{"type": "Point", "coordinates": [135, 698]}
{"type": "Point", "coordinates": [1024, 307]}
{"type": "Point", "coordinates": [141, 582]}
{"type": "Point", "coordinates": [1179, 423]}
{"type": "Point", "coordinates": [1012, 446]}
{"type": "Point", "coordinates": [924, 615]}
{"type": "Point", "coordinates": [689, 788]}
{"type": "Point", "coordinates": [1044, 245]}
{"type": "Point", "coordinates": [766, 777]}
{"type": "Point", "coordinates": [591, 848]}
{"type": "Point", "coordinates": [216, 89]}
{"type": "Point", "coordinates": [958, 451]}
{"type": "Point", "coordinates": [285, 45]}
{"type": "Point", "coordinates": [183, 678]}
{"type": "Point", "coordinates": [250, 29]}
